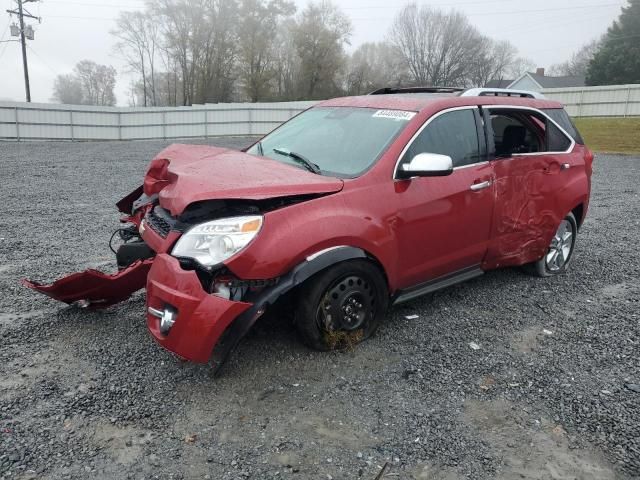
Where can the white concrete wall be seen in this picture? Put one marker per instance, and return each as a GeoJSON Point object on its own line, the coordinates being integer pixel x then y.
{"type": "Point", "coordinates": [42, 121]}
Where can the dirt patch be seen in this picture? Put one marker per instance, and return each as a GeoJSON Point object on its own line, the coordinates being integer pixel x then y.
{"type": "Point", "coordinates": [533, 448]}
{"type": "Point", "coordinates": [124, 445]}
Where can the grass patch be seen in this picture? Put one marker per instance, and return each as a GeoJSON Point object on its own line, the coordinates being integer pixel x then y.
{"type": "Point", "coordinates": [614, 135]}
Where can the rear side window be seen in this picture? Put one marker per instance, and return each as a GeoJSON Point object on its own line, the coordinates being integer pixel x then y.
{"type": "Point", "coordinates": [562, 118]}
{"type": "Point", "coordinates": [518, 131]}
{"type": "Point", "coordinates": [556, 140]}
{"type": "Point", "coordinates": [454, 134]}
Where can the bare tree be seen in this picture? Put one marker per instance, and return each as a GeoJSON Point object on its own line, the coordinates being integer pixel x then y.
{"type": "Point", "coordinates": [287, 62]}
{"type": "Point", "coordinates": [137, 35]}
{"type": "Point", "coordinates": [578, 64]}
{"type": "Point", "coordinates": [98, 82]}
{"type": "Point", "coordinates": [519, 67]}
{"type": "Point", "coordinates": [438, 47]}
{"type": "Point", "coordinates": [257, 32]}
{"type": "Point", "coordinates": [492, 61]}
{"type": "Point", "coordinates": [320, 34]}
{"type": "Point", "coordinates": [67, 89]}
{"type": "Point", "coordinates": [201, 39]}
{"type": "Point", "coordinates": [375, 65]}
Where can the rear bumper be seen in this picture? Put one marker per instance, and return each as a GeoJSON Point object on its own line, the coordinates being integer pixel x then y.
{"type": "Point", "coordinates": [201, 318]}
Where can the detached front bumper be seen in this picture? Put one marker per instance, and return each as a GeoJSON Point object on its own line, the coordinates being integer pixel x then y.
{"type": "Point", "coordinates": [199, 318]}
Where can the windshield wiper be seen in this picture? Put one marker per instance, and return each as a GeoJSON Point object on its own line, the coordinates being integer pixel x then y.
{"type": "Point", "coordinates": [308, 164]}
{"type": "Point", "coordinates": [260, 150]}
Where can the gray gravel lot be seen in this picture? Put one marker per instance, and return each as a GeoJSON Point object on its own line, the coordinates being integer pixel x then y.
{"type": "Point", "coordinates": [90, 395]}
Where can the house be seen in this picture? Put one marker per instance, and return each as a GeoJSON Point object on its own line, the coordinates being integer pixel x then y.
{"type": "Point", "coordinates": [538, 81]}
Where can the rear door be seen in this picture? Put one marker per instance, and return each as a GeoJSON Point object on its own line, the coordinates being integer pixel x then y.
{"type": "Point", "coordinates": [443, 223]}
{"type": "Point", "coordinates": [531, 157]}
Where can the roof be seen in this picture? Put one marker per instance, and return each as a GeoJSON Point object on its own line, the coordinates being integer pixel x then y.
{"type": "Point", "coordinates": [498, 83]}
{"type": "Point", "coordinates": [546, 81]}
{"type": "Point", "coordinates": [416, 102]}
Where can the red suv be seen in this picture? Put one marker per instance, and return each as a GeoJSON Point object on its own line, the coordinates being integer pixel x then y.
{"type": "Point", "coordinates": [355, 204]}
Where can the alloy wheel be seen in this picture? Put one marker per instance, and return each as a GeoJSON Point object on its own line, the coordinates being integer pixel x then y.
{"type": "Point", "coordinates": [561, 246]}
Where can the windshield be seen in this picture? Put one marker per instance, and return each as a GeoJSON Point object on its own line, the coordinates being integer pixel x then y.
{"type": "Point", "coordinates": [339, 141]}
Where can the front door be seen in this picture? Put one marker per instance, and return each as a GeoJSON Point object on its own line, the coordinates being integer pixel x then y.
{"type": "Point", "coordinates": [444, 222]}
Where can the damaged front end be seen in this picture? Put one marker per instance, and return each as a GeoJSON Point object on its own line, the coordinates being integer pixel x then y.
{"type": "Point", "coordinates": [197, 208]}
{"type": "Point", "coordinates": [189, 307]}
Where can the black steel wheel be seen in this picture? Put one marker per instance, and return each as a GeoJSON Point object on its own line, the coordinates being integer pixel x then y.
{"type": "Point", "coordinates": [341, 306]}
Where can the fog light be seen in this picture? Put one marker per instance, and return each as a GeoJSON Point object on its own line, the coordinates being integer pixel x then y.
{"type": "Point", "coordinates": [167, 317]}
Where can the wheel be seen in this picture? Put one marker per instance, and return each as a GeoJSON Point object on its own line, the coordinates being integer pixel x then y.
{"type": "Point", "coordinates": [341, 306]}
{"type": "Point", "coordinates": [557, 258]}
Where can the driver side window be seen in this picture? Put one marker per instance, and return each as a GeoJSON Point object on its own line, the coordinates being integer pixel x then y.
{"type": "Point", "coordinates": [453, 134]}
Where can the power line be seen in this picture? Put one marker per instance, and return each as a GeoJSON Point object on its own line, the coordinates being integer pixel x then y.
{"type": "Point", "coordinates": [76, 17]}
{"type": "Point", "coordinates": [42, 60]}
{"type": "Point", "coordinates": [107, 5]}
{"type": "Point", "coordinates": [6, 44]}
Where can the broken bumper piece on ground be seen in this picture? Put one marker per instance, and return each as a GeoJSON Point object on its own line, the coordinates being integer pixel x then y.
{"type": "Point", "coordinates": [94, 289]}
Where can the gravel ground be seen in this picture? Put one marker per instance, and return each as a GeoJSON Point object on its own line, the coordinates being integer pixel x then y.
{"type": "Point", "coordinates": [552, 392]}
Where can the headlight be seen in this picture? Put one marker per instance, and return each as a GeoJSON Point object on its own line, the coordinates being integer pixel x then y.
{"type": "Point", "coordinates": [213, 242]}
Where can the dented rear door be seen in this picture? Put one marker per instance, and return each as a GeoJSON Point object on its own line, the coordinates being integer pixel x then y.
{"type": "Point", "coordinates": [529, 186]}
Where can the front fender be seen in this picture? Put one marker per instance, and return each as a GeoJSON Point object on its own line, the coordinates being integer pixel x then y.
{"type": "Point", "coordinates": [292, 234]}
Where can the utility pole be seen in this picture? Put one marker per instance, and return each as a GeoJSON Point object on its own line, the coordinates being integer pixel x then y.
{"type": "Point", "coordinates": [21, 13]}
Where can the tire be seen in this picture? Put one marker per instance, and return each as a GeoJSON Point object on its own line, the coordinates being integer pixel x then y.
{"type": "Point", "coordinates": [341, 306]}
{"type": "Point", "coordinates": [560, 252]}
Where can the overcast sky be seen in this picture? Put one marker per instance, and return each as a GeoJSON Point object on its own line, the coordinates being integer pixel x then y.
{"type": "Point", "coordinates": [546, 31]}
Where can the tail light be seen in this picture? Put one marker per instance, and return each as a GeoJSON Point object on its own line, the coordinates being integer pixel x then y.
{"type": "Point", "coordinates": [588, 159]}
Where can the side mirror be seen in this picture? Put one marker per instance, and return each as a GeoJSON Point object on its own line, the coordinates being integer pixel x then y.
{"type": "Point", "coordinates": [426, 165]}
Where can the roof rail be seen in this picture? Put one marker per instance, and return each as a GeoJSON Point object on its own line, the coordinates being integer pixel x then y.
{"type": "Point", "coordinates": [500, 92]}
{"type": "Point", "coordinates": [392, 90]}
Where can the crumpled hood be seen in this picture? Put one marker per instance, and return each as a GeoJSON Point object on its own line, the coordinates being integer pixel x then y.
{"type": "Point", "coordinates": [184, 174]}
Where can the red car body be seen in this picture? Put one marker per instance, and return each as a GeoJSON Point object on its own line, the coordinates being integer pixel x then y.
{"type": "Point", "coordinates": [420, 230]}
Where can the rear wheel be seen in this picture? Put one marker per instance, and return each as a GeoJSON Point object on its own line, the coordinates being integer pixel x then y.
{"type": "Point", "coordinates": [560, 251]}
{"type": "Point", "coordinates": [341, 306]}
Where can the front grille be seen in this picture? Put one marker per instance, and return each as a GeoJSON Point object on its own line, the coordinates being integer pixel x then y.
{"type": "Point", "coordinates": [159, 221]}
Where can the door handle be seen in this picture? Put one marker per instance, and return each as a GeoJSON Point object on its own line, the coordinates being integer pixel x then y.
{"type": "Point", "coordinates": [481, 186]}
{"type": "Point", "coordinates": [565, 166]}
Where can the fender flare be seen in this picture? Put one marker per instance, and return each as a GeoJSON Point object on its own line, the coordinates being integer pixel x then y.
{"type": "Point", "coordinates": [242, 324]}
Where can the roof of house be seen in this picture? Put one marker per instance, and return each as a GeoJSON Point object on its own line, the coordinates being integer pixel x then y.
{"type": "Point", "coordinates": [498, 83]}
{"type": "Point", "coordinates": [554, 82]}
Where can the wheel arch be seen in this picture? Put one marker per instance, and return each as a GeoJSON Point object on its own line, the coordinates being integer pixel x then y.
{"type": "Point", "coordinates": [579, 213]}
{"type": "Point", "coordinates": [312, 265]}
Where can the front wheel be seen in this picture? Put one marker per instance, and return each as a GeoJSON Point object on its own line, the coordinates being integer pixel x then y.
{"type": "Point", "coordinates": [341, 306]}
{"type": "Point", "coordinates": [560, 251]}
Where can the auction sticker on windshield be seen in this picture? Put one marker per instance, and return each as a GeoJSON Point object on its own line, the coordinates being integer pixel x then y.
{"type": "Point", "coordinates": [394, 114]}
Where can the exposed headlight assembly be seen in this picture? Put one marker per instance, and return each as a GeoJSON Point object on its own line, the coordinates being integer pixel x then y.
{"type": "Point", "coordinates": [213, 242]}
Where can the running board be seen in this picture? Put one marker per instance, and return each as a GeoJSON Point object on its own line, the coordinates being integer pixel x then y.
{"type": "Point", "coordinates": [437, 284]}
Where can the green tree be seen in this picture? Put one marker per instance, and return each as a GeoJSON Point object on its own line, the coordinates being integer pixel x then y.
{"type": "Point", "coordinates": [618, 59]}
